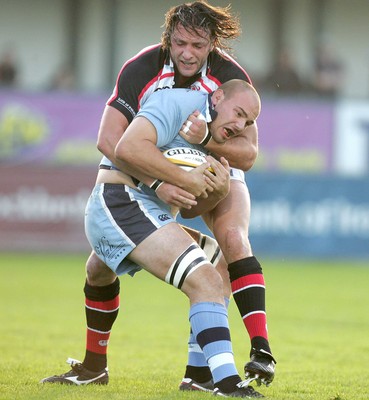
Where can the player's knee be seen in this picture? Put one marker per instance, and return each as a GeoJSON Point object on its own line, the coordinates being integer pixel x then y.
{"type": "Point", "coordinates": [205, 284]}
{"type": "Point", "coordinates": [236, 243]}
{"type": "Point", "coordinates": [98, 274]}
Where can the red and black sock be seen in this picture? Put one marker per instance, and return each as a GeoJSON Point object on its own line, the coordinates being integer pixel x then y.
{"type": "Point", "coordinates": [248, 288]}
{"type": "Point", "coordinates": [101, 306]}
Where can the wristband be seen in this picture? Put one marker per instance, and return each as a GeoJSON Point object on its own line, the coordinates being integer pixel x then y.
{"type": "Point", "coordinates": [155, 185]}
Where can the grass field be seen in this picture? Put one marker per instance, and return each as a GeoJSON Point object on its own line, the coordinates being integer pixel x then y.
{"type": "Point", "coordinates": [317, 316]}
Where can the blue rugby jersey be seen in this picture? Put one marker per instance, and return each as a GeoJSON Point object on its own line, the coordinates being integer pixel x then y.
{"type": "Point", "coordinates": [168, 110]}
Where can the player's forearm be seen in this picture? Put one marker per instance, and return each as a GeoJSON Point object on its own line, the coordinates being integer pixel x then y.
{"type": "Point", "coordinates": [112, 127]}
{"type": "Point", "coordinates": [146, 163]}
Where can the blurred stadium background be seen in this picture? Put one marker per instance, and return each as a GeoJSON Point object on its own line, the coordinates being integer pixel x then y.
{"type": "Point", "coordinates": [310, 186]}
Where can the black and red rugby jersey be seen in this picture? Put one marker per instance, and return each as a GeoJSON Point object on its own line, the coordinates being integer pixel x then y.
{"type": "Point", "coordinates": [152, 69]}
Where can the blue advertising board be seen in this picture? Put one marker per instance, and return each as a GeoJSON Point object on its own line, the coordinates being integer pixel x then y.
{"type": "Point", "coordinates": [309, 216]}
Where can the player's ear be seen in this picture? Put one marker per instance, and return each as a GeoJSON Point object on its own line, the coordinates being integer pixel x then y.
{"type": "Point", "coordinates": [217, 96]}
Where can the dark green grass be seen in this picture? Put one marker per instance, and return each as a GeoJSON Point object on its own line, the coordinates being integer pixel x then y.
{"type": "Point", "coordinates": [317, 316]}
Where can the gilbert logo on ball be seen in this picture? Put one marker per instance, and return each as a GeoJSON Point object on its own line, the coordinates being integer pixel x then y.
{"type": "Point", "coordinates": [185, 157]}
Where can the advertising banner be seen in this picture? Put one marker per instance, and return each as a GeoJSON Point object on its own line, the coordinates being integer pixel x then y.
{"type": "Point", "coordinates": [59, 129]}
{"type": "Point", "coordinates": [308, 216]}
{"type": "Point", "coordinates": [295, 136]}
{"type": "Point", "coordinates": [305, 216]}
{"type": "Point", "coordinates": [62, 129]}
{"type": "Point", "coordinates": [49, 160]}
{"type": "Point", "coordinates": [42, 208]}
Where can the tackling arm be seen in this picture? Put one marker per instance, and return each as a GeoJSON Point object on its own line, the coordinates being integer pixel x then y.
{"type": "Point", "coordinates": [112, 126]}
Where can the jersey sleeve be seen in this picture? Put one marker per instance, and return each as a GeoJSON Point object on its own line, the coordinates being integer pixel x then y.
{"type": "Point", "coordinates": [164, 114]}
{"type": "Point", "coordinates": [132, 79]}
{"type": "Point", "coordinates": [168, 109]}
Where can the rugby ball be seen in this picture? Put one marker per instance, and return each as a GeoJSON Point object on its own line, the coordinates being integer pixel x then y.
{"type": "Point", "coordinates": [186, 157]}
